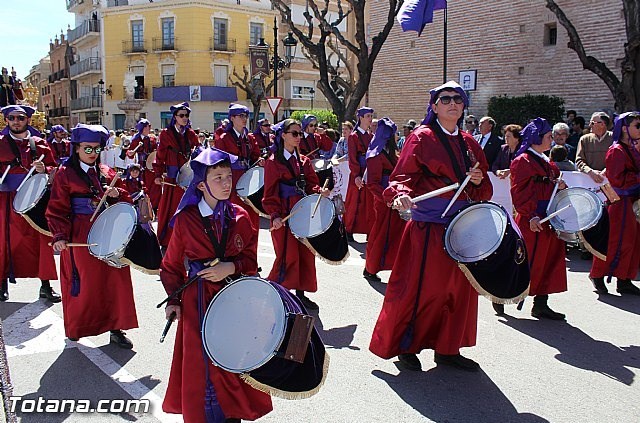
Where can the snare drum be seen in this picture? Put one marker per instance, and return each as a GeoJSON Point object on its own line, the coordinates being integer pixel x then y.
{"type": "Point", "coordinates": [185, 175]}
{"type": "Point", "coordinates": [248, 328]}
{"type": "Point", "coordinates": [324, 170]}
{"type": "Point", "coordinates": [32, 200]}
{"type": "Point", "coordinates": [482, 238]}
{"type": "Point", "coordinates": [250, 189]}
{"type": "Point", "coordinates": [585, 212]}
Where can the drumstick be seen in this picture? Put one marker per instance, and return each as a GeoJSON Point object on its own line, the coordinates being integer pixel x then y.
{"type": "Point", "coordinates": [168, 183]}
{"type": "Point", "coordinates": [459, 191]}
{"type": "Point", "coordinates": [435, 193]}
{"type": "Point", "coordinates": [4, 175]}
{"type": "Point", "coordinates": [189, 282]}
{"type": "Point", "coordinates": [555, 191]}
{"type": "Point", "coordinates": [170, 320]}
{"type": "Point", "coordinates": [104, 197]}
{"type": "Point", "coordinates": [315, 208]}
{"type": "Point", "coordinates": [76, 244]}
{"type": "Point", "coordinates": [286, 218]}
{"type": "Point", "coordinates": [33, 168]}
{"type": "Point", "coordinates": [555, 213]}
{"type": "Point", "coordinates": [312, 151]}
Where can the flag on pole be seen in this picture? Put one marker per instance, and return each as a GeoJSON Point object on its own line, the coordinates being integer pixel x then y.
{"type": "Point", "coordinates": [415, 14]}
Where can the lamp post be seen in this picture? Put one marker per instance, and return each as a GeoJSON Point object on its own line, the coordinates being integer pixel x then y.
{"type": "Point", "coordinates": [313, 95]}
{"type": "Point", "coordinates": [46, 109]}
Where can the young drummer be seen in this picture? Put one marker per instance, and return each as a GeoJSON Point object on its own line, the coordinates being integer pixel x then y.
{"type": "Point", "coordinates": [149, 145]}
{"type": "Point", "coordinates": [59, 143]}
{"type": "Point", "coordinates": [96, 297]}
{"type": "Point", "coordinates": [207, 226]}
{"type": "Point", "coordinates": [288, 177]}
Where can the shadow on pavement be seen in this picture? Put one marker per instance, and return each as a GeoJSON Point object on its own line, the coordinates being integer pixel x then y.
{"type": "Point", "coordinates": [335, 338]}
{"type": "Point", "coordinates": [626, 303]}
{"type": "Point", "coordinates": [448, 395]}
{"type": "Point", "coordinates": [8, 308]}
{"type": "Point", "coordinates": [15, 336]}
{"type": "Point", "coordinates": [381, 287]}
{"type": "Point", "coordinates": [361, 248]}
{"type": "Point", "coordinates": [579, 350]}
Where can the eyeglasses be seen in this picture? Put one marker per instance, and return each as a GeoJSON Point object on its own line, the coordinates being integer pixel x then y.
{"type": "Point", "coordinates": [21, 118]}
{"type": "Point", "coordinates": [312, 125]}
{"type": "Point", "coordinates": [183, 115]}
{"type": "Point", "coordinates": [90, 150]}
{"type": "Point", "coordinates": [446, 99]}
{"type": "Point", "coordinates": [593, 122]}
{"type": "Point", "coordinates": [265, 124]}
{"type": "Point", "coordinates": [243, 116]}
{"type": "Point", "coordinates": [295, 134]}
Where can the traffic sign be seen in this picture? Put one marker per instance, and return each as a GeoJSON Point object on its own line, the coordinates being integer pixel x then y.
{"type": "Point", "coordinates": [274, 103]}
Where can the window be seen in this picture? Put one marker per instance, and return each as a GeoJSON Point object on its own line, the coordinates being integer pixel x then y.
{"type": "Point", "coordinates": [301, 92]}
{"type": "Point", "coordinates": [523, 29]}
{"type": "Point", "coordinates": [550, 34]}
{"type": "Point", "coordinates": [137, 36]}
{"type": "Point", "coordinates": [221, 75]}
{"type": "Point", "coordinates": [521, 70]}
{"type": "Point", "coordinates": [255, 33]}
{"type": "Point", "coordinates": [219, 34]}
{"type": "Point", "coordinates": [167, 34]}
{"type": "Point", "coordinates": [168, 75]}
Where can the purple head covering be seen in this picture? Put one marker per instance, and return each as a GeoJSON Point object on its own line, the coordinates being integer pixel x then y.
{"type": "Point", "coordinates": [142, 123]}
{"type": "Point", "coordinates": [619, 123]}
{"type": "Point", "coordinates": [278, 130]}
{"type": "Point", "coordinates": [235, 110]}
{"type": "Point", "coordinates": [89, 133]}
{"type": "Point", "coordinates": [386, 129]}
{"type": "Point", "coordinates": [54, 129]}
{"type": "Point", "coordinates": [360, 113]}
{"type": "Point", "coordinates": [208, 157]}
{"type": "Point", "coordinates": [175, 109]}
{"type": "Point", "coordinates": [27, 110]}
{"type": "Point", "coordinates": [306, 120]}
{"type": "Point", "coordinates": [258, 129]}
{"type": "Point", "coordinates": [434, 93]}
{"type": "Point", "coordinates": [532, 134]}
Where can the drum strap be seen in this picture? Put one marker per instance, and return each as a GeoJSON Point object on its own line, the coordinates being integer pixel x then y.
{"type": "Point", "coordinates": [460, 174]}
{"type": "Point", "coordinates": [183, 142]}
{"type": "Point", "coordinates": [218, 247]}
{"type": "Point", "coordinates": [546, 168]}
{"type": "Point", "coordinates": [299, 180]}
{"type": "Point", "coordinates": [244, 151]}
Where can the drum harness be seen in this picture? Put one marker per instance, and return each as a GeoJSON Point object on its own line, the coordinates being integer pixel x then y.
{"type": "Point", "coordinates": [244, 149]}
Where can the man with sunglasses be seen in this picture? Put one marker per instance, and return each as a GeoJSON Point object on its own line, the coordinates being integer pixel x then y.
{"type": "Point", "coordinates": [59, 143]}
{"type": "Point", "coordinates": [593, 147]}
{"type": "Point", "coordinates": [24, 252]}
{"type": "Point", "coordinates": [314, 138]}
{"type": "Point", "coordinates": [263, 137]}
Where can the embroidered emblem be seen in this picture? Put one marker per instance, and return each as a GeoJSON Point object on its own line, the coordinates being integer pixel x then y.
{"type": "Point", "coordinates": [521, 254]}
{"type": "Point", "coordinates": [238, 242]}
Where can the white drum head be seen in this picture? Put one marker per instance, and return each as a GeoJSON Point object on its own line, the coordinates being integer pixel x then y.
{"type": "Point", "coordinates": [112, 230]}
{"type": "Point", "coordinates": [30, 193]}
{"type": "Point", "coordinates": [301, 223]}
{"type": "Point", "coordinates": [585, 211]}
{"type": "Point", "coordinates": [475, 232]}
{"type": "Point", "coordinates": [250, 182]}
{"type": "Point", "coordinates": [321, 164]}
{"type": "Point", "coordinates": [185, 175]}
{"type": "Point", "coordinates": [244, 325]}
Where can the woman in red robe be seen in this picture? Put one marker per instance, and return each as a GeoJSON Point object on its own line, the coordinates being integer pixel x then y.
{"type": "Point", "coordinates": [263, 137]}
{"type": "Point", "coordinates": [533, 178]}
{"type": "Point", "coordinates": [149, 145]}
{"type": "Point", "coordinates": [288, 176]}
{"type": "Point", "coordinates": [386, 232]}
{"type": "Point", "coordinates": [198, 389]}
{"type": "Point", "coordinates": [96, 297]}
{"type": "Point", "coordinates": [359, 214]}
{"type": "Point", "coordinates": [177, 141]}
{"type": "Point", "coordinates": [623, 172]}
{"type": "Point", "coordinates": [313, 138]}
{"type": "Point", "coordinates": [429, 303]}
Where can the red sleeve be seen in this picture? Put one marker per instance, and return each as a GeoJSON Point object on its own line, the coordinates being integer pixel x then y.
{"type": "Point", "coordinates": [172, 271]}
{"type": "Point", "coordinates": [133, 146]}
{"type": "Point", "coordinates": [311, 177]}
{"type": "Point", "coordinates": [193, 140]}
{"type": "Point", "coordinates": [271, 198]}
{"type": "Point", "coordinates": [484, 190]}
{"type": "Point", "coordinates": [354, 165]}
{"type": "Point", "coordinates": [58, 212]}
{"type": "Point", "coordinates": [618, 170]}
{"type": "Point", "coordinates": [523, 195]}
{"type": "Point", "coordinates": [246, 261]}
{"type": "Point", "coordinates": [407, 171]}
{"type": "Point", "coordinates": [324, 142]}
{"type": "Point", "coordinates": [120, 185]}
{"type": "Point", "coordinates": [254, 149]}
{"type": "Point", "coordinates": [160, 164]}
{"type": "Point", "coordinates": [227, 143]}
{"type": "Point", "coordinates": [374, 176]}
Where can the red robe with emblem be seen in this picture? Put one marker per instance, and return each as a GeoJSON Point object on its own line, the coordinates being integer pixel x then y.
{"type": "Point", "coordinates": [20, 244]}
{"type": "Point", "coordinates": [358, 214]}
{"type": "Point", "coordinates": [172, 154]}
{"type": "Point", "coordinates": [317, 142]}
{"type": "Point", "coordinates": [105, 301]}
{"type": "Point", "coordinates": [623, 248]}
{"type": "Point", "coordinates": [60, 149]}
{"type": "Point", "coordinates": [530, 195]}
{"type": "Point", "coordinates": [245, 149]}
{"type": "Point", "coordinates": [186, 388]}
{"type": "Point", "coordinates": [149, 145]}
{"type": "Point", "coordinates": [386, 232]}
{"type": "Point", "coordinates": [295, 266]}
{"type": "Point", "coordinates": [447, 309]}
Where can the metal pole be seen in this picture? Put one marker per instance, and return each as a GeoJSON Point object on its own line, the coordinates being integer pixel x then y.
{"type": "Point", "coordinates": [276, 59]}
{"type": "Point", "coordinates": [444, 61]}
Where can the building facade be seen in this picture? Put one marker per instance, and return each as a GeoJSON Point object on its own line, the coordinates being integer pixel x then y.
{"type": "Point", "coordinates": [57, 99]}
{"type": "Point", "coordinates": [38, 77]}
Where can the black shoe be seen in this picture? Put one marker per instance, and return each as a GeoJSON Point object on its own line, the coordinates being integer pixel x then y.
{"type": "Point", "coordinates": [598, 284]}
{"type": "Point", "coordinates": [73, 339]}
{"type": "Point", "coordinates": [499, 309]}
{"type": "Point", "coordinates": [118, 338]}
{"type": "Point", "coordinates": [51, 295]}
{"type": "Point", "coordinates": [4, 290]}
{"type": "Point", "coordinates": [626, 287]}
{"type": "Point", "coordinates": [410, 362]}
{"type": "Point", "coordinates": [232, 421]}
{"type": "Point", "coordinates": [350, 237]}
{"type": "Point", "coordinates": [542, 311]}
{"type": "Point", "coordinates": [371, 277]}
{"type": "Point", "coordinates": [308, 304]}
{"type": "Point", "coordinates": [457, 361]}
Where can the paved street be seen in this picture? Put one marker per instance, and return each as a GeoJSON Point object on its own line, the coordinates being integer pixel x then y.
{"type": "Point", "coordinates": [532, 371]}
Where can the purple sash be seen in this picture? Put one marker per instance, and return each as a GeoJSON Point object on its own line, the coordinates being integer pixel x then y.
{"type": "Point", "coordinates": [11, 182]}
{"type": "Point", "coordinates": [541, 209]}
{"type": "Point", "coordinates": [634, 191]}
{"type": "Point", "coordinates": [82, 206]}
{"type": "Point", "coordinates": [287, 191]}
{"type": "Point", "coordinates": [172, 171]}
{"type": "Point", "coordinates": [362, 161]}
{"type": "Point", "coordinates": [430, 210]}
{"type": "Point", "coordinates": [385, 181]}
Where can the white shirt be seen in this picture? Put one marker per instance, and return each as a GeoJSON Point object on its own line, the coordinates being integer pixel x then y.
{"type": "Point", "coordinates": [542, 156]}
{"type": "Point", "coordinates": [86, 167]}
{"type": "Point", "coordinates": [362, 131]}
{"type": "Point", "coordinates": [205, 209]}
{"type": "Point", "coordinates": [483, 140]}
{"type": "Point", "coordinates": [288, 155]}
{"type": "Point", "coordinates": [238, 134]}
{"type": "Point", "coordinates": [454, 133]}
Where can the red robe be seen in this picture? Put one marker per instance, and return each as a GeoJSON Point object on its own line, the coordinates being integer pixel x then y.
{"type": "Point", "coordinates": [530, 195]}
{"type": "Point", "coordinates": [295, 266]}
{"type": "Point", "coordinates": [623, 249]}
{"type": "Point", "coordinates": [358, 214]}
{"type": "Point", "coordinates": [316, 142]}
{"type": "Point", "coordinates": [171, 155]}
{"type": "Point", "coordinates": [447, 309]}
{"type": "Point", "coordinates": [30, 255]}
{"type": "Point", "coordinates": [246, 150]}
{"type": "Point", "coordinates": [386, 232]}
{"type": "Point", "coordinates": [263, 142]}
{"type": "Point", "coordinates": [186, 388]}
{"type": "Point", "coordinates": [105, 301]}
{"type": "Point", "coordinates": [149, 145]}
{"type": "Point", "coordinates": [61, 150]}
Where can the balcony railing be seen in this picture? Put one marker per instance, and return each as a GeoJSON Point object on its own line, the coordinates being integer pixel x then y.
{"type": "Point", "coordinates": [130, 47]}
{"type": "Point", "coordinates": [86, 102]}
{"type": "Point", "coordinates": [228, 45]}
{"type": "Point", "coordinates": [87, 65]}
{"type": "Point", "coordinates": [59, 112]}
{"type": "Point", "coordinates": [86, 27]}
{"type": "Point", "coordinates": [165, 44]}
{"type": "Point", "coordinates": [57, 76]}
{"type": "Point", "coordinates": [140, 93]}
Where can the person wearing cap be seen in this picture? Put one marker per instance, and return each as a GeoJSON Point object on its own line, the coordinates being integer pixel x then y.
{"type": "Point", "coordinates": [384, 238]}
{"type": "Point", "coordinates": [289, 176]}
{"type": "Point", "coordinates": [263, 137]}
{"type": "Point", "coordinates": [622, 165]}
{"type": "Point", "coordinates": [314, 138]}
{"type": "Point", "coordinates": [429, 303]}
{"type": "Point", "coordinates": [358, 213]}
{"type": "Point", "coordinates": [24, 252]}
{"type": "Point", "coordinates": [205, 209]}
{"type": "Point", "coordinates": [176, 144]}
{"type": "Point", "coordinates": [533, 178]}
{"type": "Point", "coordinates": [96, 297]}
{"type": "Point", "coordinates": [149, 145]}
{"type": "Point", "coordinates": [234, 140]}
{"type": "Point", "coordinates": [59, 143]}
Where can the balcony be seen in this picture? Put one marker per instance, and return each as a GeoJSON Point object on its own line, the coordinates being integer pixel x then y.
{"type": "Point", "coordinates": [178, 93]}
{"type": "Point", "coordinates": [164, 44]}
{"type": "Point", "coordinates": [90, 26]}
{"type": "Point", "coordinates": [89, 102]}
{"type": "Point", "coordinates": [130, 47]}
{"type": "Point", "coordinates": [57, 76]}
{"type": "Point", "coordinates": [223, 46]}
{"type": "Point", "coordinates": [141, 93]}
{"type": "Point", "coordinates": [115, 3]}
{"type": "Point", "coordinates": [90, 64]}
{"type": "Point", "coordinates": [59, 112]}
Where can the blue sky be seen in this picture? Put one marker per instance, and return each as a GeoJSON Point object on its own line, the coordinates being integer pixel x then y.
{"type": "Point", "coordinates": [27, 26]}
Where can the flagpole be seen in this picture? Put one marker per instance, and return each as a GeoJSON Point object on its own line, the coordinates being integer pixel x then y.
{"type": "Point", "coordinates": [444, 61]}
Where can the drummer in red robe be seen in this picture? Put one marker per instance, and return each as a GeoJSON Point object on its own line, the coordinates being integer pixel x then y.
{"type": "Point", "coordinates": [149, 145]}
{"type": "Point", "coordinates": [429, 302]}
{"type": "Point", "coordinates": [623, 172]}
{"type": "Point", "coordinates": [263, 137]}
{"type": "Point", "coordinates": [288, 176]}
{"type": "Point", "coordinates": [177, 142]}
{"type": "Point", "coordinates": [207, 226]}
{"type": "Point", "coordinates": [386, 232]}
{"type": "Point", "coordinates": [59, 143]}
{"type": "Point", "coordinates": [359, 214]}
{"type": "Point", "coordinates": [24, 252]}
{"type": "Point", "coordinates": [533, 178]}
{"type": "Point", "coordinates": [314, 138]}
{"type": "Point", "coordinates": [133, 181]}
{"type": "Point", "coordinates": [234, 140]}
{"type": "Point", "coordinates": [96, 297]}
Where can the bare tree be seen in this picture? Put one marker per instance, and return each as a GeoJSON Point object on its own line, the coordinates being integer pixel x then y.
{"type": "Point", "coordinates": [626, 91]}
{"type": "Point", "coordinates": [253, 87]}
{"type": "Point", "coordinates": [322, 39]}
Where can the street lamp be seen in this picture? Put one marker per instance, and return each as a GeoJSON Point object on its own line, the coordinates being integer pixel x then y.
{"type": "Point", "coordinates": [313, 95]}
{"type": "Point", "coordinates": [46, 108]}
{"type": "Point", "coordinates": [277, 63]}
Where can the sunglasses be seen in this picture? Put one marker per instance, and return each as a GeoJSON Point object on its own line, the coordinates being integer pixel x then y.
{"type": "Point", "coordinates": [295, 134]}
{"type": "Point", "coordinates": [265, 124]}
{"type": "Point", "coordinates": [312, 125]}
{"type": "Point", "coordinates": [183, 115]}
{"type": "Point", "coordinates": [20, 118]}
{"type": "Point", "coordinates": [90, 150]}
{"type": "Point", "coordinates": [446, 99]}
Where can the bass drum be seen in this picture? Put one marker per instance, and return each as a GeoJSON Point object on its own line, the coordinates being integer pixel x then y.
{"type": "Point", "coordinates": [250, 189]}
{"type": "Point", "coordinates": [585, 212]}
{"type": "Point", "coordinates": [32, 200]}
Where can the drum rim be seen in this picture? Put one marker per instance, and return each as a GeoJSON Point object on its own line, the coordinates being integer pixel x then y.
{"type": "Point", "coordinates": [299, 204]}
{"type": "Point", "coordinates": [185, 166]}
{"type": "Point", "coordinates": [458, 216]}
{"type": "Point", "coordinates": [281, 335]}
{"type": "Point", "coordinates": [35, 203]}
{"type": "Point", "coordinates": [242, 178]}
{"type": "Point", "coordinates": [564, 193]}
{"type": "Point", "coordinates": [152, 154]}
{"type": "Point", "coordinates": [121, 250]}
